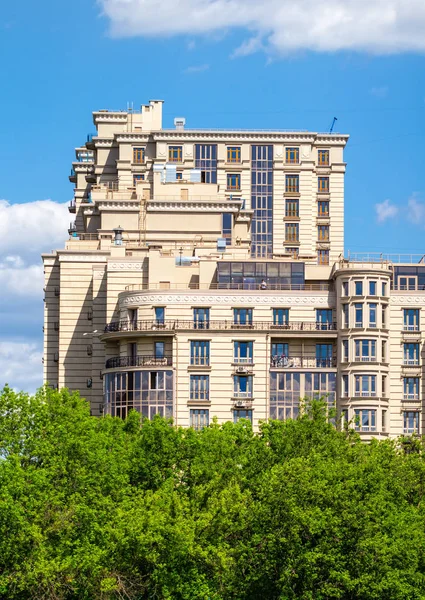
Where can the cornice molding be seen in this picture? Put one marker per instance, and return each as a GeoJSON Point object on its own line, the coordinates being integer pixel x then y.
{"type": "Point", "coordinates": [132, 137]}
{"type": "Point", "coordinates": [407, 300]}
{"type": "Point", "coordinates": [93, 258]}
{"type": "Point", "coordinates": [260, 299]}
{"type": "Point", "coordinates": [190, 206]}
{"type": "Point", "coordinates": [125, 266]}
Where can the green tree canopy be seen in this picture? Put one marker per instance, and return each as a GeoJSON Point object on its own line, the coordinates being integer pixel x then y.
{"type": "Point", "coordinates": [102, 508]}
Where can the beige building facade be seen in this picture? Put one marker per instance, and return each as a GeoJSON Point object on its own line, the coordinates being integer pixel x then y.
{"type": "Point", "coordinates": [204, 277]}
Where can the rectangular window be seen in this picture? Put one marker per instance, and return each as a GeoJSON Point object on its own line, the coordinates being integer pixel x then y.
{"type": "Point", "coordinates": [138, 177]}
{"type": "Point", "coordinates": [233, 154]}
{"type": "Point", "coordinates": [233, 181]}
{"type": "Point", "coordinates": [201, 318]}
{"type": "Point", "coordinates": [243, 352]}
{"type": "Point", "coordinates": [292, 208]}
{"type": "Point", "coordinates": [159, 315]}
{"type": "Point", "coordinates": [345, 315]}
{"type": "Point", "coordinates": [324, 358]}
{"type": "Point", "coordinates": [384, 288]}
{"type": "Point", "coordinates": [323, 158]}
{"type": "Point", "coordinates": [242, 414]}
{"type": "Point", "coordinates": [200, 353]}
{"type": "Point", "coordinates": [358, 288]}
{"type": "Point", "coordinates": [384, 317]}
{"type": "Point", "coordinates": [284, 395]}
{"type": "Point", "coordinates": [410, 422]}
{"type": "Point", "coordinates": [345, 355]}
{"type": "Point", "coordinates": [323, 185]}
{"type": "Point", "coordinates": [323, 233]}
{"type": "Point", "coordinates": [372, 288]}
{"type": "Point", "coordinates": [199, 418]}
{"type": "Point", "coordinates": [242, 386]}
{"type": "Point", "coordinates": [179, 175]}
{"type": "Point", "coordinates": [206, 162]}
{"type": "Point", "coordinates": [323, 257]}
{"type": "Point", "coordinates": [411, 354]}
{"type": "Point", "coordinates": [365, 419]}
{"type": "Point", "coordinates": [159, 349]}
{"type": "Point", "coordinates": [411, 388]}
{"type": "Point", "coordinates": [242, 316]}
{"type": "Point", "coordinates": [279, 355]}
{"type": "Point", "coordinates": [384, 386]}
{"type": "Point", "coordinates": [384, 351]}
{"type": "Point", "coordinates": [291, 232]}
{"type": "Point", "coordinates": [411, 319]}
{"type": "Point", "coordinates": [372, 315]}
{"type": "Point", "coordinates": [358, 309]}
{"type": "Point", "coordinates": [323, 208]}
{"type": "Point", "coordinates": [365, 350]}
{"type": "Point", "coordinates": [324, 319]}
{"type": "Point", "coordinates": [292, 156]}
{"type": "Point", "coordinates": [280, 316]}
{"type": "Point", "coordinates": [384, 420]}
{"type": "Point", "coordinates": [175, 153]}
{"type": "Point", "coordinates": [138, 155]}
{"type": "Point", "coordinates": [262, 201]}
{"type": "Point", "coordinates": [292, 184]}
{"type": "Point", "coordinates": [294, 252]}
{"type": "Point", "coordinates": [365, 385]}
{"type": "Point", "coordinates": [227, 226]}
{"type": "Point", "coordinates": [344, 386]}
{"type": "Point", "coordinates": [132, 351]}
{"type": "Point", "coordinates": [200, 387]}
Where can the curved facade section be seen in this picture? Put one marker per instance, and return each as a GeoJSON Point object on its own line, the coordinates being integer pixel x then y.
{"type": "Point", "coordinates": [363, 346]}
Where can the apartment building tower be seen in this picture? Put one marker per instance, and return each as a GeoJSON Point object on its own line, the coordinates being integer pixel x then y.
{"type": "Point", "coordinates": [204, 276]}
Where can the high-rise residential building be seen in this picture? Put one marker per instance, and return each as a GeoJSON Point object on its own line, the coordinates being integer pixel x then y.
{"type": "Point", "coordinates": [204, 276]}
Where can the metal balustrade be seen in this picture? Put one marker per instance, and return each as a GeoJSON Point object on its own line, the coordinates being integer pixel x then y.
{"type": "Point", "coordinates": [120, 362]}
{"type": "Point", "coordinates": [176, 325]}
{"type": "Point", "coordinates": [244, 287]}
{"type": "Point", "coordinates": [302, 362]}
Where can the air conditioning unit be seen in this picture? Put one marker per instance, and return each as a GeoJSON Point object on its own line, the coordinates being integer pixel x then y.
{"type": "Point", "coordinates": [241, 370]}
{"type": "Point", "coordinates": [240, 404]}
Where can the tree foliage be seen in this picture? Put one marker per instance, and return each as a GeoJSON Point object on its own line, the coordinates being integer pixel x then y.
{"type": "Point", "coordinates": [102, 508]}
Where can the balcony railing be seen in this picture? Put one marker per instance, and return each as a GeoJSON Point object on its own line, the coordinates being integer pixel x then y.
{"type": "Point", "coordinates": [411, 362]}
{"type": "Point", "coordinates": [411, 397]}
{"type": "Point", "coordinates": [302, 362]}
{"type": "Point", "coordinates": [410, 328]}
{"type": "Point", "coordinates": [242, 395]}
{"type": "Point", "coordinates": [120, 362]}
{"type": "Point", "coordinates": [176, 325]}
{"type": "Point", "coordinates": [284, 287]}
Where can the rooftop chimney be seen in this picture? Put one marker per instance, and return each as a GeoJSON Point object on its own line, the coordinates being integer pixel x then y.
{"type": "Point", "coordinates": [180, 122]}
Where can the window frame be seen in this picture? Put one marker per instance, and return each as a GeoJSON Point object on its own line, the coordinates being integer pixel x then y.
{"type": "Point", "coordinates": [236, 150]}
{"type": "Point", "coordinates": [139, 155]}
{"type": "Point", "coordinates": [175, 154]}
{"type": "Point", "coordinates": [233, 182]}
{"type": "Point", "coordinates": [295, 150]}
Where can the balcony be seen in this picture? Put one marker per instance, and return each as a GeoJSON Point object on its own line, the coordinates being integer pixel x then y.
{"type": "Point", "coordinates": [120, 362]}
{"type": "Point", "coordinates": [302, 362]}
{"type": "Point", "coordinates": [73, 176]}
{"type": "Point", "coordinates": [72, 206]}
{"type": "Point", "coordinates": [178, 325]}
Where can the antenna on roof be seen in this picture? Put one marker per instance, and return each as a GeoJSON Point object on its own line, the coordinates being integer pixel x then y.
{"type": "Point", "coordinates": [333, 125]}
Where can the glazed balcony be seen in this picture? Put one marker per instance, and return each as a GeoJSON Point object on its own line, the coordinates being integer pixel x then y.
{"type": "Point", "coordinates": [121, 362]}
{"type": "Point", "coordinates": [302, 362]}
{"type": "Point", "coordinates": [172, 325]}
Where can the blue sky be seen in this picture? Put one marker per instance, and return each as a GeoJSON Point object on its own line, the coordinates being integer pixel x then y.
{"type": "Point", "coordinates": [219, 63]}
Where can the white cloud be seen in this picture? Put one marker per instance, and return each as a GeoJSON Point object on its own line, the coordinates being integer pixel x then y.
{"type": "Point", "coordinates": [379, 92]}
{"type": "Point", "coordinates": [196, 69]}
{"type": "Point", "coordinates": [416, 211]}
{"type": "Point", "coordinates": [19, 279]}
{"type": "Point", "coordinates": [376, 26]}
{"type": "Point", "coordinates": [21, 364]}
{"type": "Point", "coordinates": [385, 210]}
{"type": "Point", "coordinates": [28, 229]}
